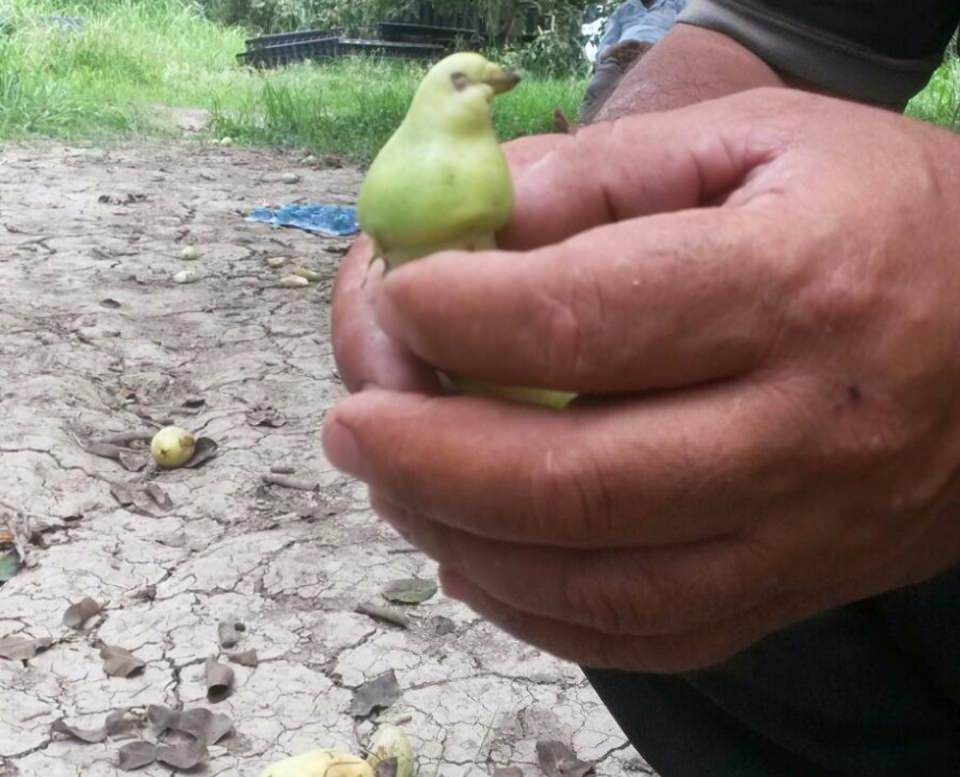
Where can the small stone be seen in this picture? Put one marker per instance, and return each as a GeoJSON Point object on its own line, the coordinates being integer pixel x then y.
{"type": "Point", "coordinates": [310, 159]}
{"type": "Point", "coordinates": [276, 261]}
{"type": "Point", "coordinates": [293, 281]}
{"type": "Point", "coordinates": [306, 272]}
{"type": "Point", "coordinates": [290, 178]}
{"type": "Point", "coordinates": [186, 276]}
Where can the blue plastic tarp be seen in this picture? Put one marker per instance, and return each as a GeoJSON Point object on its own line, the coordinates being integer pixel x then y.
{"type": "Point", "coordinates": [327, 220]}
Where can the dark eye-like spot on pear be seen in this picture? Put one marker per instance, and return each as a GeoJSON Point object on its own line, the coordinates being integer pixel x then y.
{"type": "Point", "coordinates": [460, 81]}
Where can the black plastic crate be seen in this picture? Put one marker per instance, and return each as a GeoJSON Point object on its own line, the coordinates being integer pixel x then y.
{"type": "Point", "coordinates": [298, 36]}
{"type": "Point", "coordinates": [391, 49]}
{"type": "Point", "coordinates": [332, 47]}
{"type": "Point", "coordinates": [286, 53]}
{"type": "Point", "coordinates": [410, 32]}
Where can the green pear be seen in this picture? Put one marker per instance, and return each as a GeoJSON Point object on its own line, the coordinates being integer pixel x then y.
{"type": "Point", "coordinates": [172, 447]}
{"type": "Point", "coordinates": [441, 182]}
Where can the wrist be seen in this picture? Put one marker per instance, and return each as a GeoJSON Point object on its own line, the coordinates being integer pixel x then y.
{"type": "Point", "coordinates": [689, 65]}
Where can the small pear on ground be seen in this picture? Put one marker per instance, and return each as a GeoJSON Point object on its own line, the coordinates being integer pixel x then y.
{"type": "Point", "coordinates": [320, 763]}
{"type": "Point", "coordinates": [172, 447]}
{"type": "Point", "coordinates": [388, 742]}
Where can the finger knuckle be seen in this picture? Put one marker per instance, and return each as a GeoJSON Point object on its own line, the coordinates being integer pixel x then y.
{"type": "Point", "coordinates": [570, 499]}
{"type": "Point", "coordinates": [567, 331]}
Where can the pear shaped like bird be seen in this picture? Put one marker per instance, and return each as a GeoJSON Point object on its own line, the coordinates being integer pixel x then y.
{"type": "Point", "coordinates": [441, 182]}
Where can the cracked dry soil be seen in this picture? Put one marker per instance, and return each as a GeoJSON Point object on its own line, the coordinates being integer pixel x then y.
{"type": "Point", "coordinates": [291, 565]}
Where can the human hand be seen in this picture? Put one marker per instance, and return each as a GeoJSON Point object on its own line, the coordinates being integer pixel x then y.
{"type": "Point", "coordinates": [761, 294]}
{"type": "Point", "coordinates": [365, 354]}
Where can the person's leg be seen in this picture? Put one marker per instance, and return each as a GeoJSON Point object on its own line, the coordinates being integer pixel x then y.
{"type": "Point", "coordinates": [681, 733]}
{"type": "Point", "coordinates": [833, 695]}
{"type": "Point", "coordinates": [611, 67]}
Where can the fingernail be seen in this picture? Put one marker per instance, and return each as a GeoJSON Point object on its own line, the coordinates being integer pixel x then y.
{"type": "Point", "coordinates": [340, 445]}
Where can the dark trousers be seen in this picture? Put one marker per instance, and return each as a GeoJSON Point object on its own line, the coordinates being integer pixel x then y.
{"type": "Point", "coordinates": [868, 689]}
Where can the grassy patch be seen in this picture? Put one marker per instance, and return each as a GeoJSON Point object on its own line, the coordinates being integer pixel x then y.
{"type": "Point", "coordinates": [132, 55]}
{"type": "Point", "coordinates": [351, 107]}
{"type": "Point", "coordinates": [939, 102]}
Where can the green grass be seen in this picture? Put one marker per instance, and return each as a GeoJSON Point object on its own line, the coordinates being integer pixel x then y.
{"type": "Point", "coordinates": [939, 102]}
{"type": "Point", "coordinates": [351, 107]}
{"type": "Point", "coordinates": [132, 56]}
{"type": "Point", "coordinates": [135, 55]}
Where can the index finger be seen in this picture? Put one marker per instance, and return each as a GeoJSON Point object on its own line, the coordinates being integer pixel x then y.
{"type": "Point", "coordinates": [640, 165]}
{"type": "Point", "coordinates": [641, 473]}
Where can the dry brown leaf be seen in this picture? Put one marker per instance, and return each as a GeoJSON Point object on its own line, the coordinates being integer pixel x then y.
{"type": "Point", "coordinates": [410, 590]}
{"type": "Point", "coordinates": [147, 499]}
{"type": "Point", "coordinates": [288, 481]}
{"type": "Point", "coordinates": [219, 679]}
{"type": "Point", "coordinates": [205, 726]}
{"type": "Point", "coordinates": [136, 755]}
{"type": "Point", "coordinates": [159, 496]}
{"type": "Point", "coordinates": [244, 658]}
{"type": "Point", "coordinates": [185, 756]}
{"type": "Point", "coordinates": [132, 461]}
{"type": "Point", "coordinates": [113, 723]}
{"type": "Point", "coordinates": [103, 449]}
{"type": "Point", "coordinates": [384, 614]}
{"type": "Point", "coordinates": [200, 723]}
{"type": "Point", "coordinates": [128, 438]}
{"type": "Point", "coordinates": [379, 693]}
{"type": "Point", "coordinates": [118, 662]}
{"type": "Point", "coordinates": [21, 648]}
{"type": "Point", "coordinates": [266, 416]}
{"type": "Point", "coordinates": [123, 493]}
{"type": "Point", "coordinates": [162, 718]}
{"type": "Point", "coordinates": [77, 614]}
{"type": "Point", "coordinates": [204, 450]}
{"type": "Point", "coordinates": [441, 625]}
{"type": "Point", "coordinates": [146, 594]}
{"type": "Point", "coordinates": [507, 771]}
{"type": "Point", "coordinates": [558, 760]}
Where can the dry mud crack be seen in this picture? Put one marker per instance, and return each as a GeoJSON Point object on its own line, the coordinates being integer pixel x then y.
{"type": "Point", "coordinates": [80, 226]}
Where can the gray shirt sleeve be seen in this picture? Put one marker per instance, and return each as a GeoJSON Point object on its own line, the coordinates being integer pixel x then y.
{"type": "Point", "coordinates": [824, 59]}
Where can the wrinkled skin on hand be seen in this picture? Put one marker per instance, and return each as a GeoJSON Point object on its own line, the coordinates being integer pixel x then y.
{"type": "Point", "coordinates": [761, 295]}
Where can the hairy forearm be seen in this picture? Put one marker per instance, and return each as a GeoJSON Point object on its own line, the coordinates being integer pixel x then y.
{"type": "Point", "coordinates": [689, 65]}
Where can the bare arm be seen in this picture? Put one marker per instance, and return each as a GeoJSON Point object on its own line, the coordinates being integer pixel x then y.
{"type": "Point", "coordinates": [689, 65]}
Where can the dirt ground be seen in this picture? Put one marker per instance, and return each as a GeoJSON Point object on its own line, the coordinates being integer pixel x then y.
{"type": "Point", "coordinates": [96, 338]}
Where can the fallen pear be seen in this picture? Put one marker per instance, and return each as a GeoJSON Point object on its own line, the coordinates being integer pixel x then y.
{"type": "Point", "coordinates": [172, 447]}
{"type": "Point", "coordinates": [320, 763]}
{"type": "Point", "coordinates": [391, 742]}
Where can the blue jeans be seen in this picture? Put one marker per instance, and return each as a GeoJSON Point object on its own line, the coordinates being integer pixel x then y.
{"type": "Point", "coordinates": [872, 688]}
